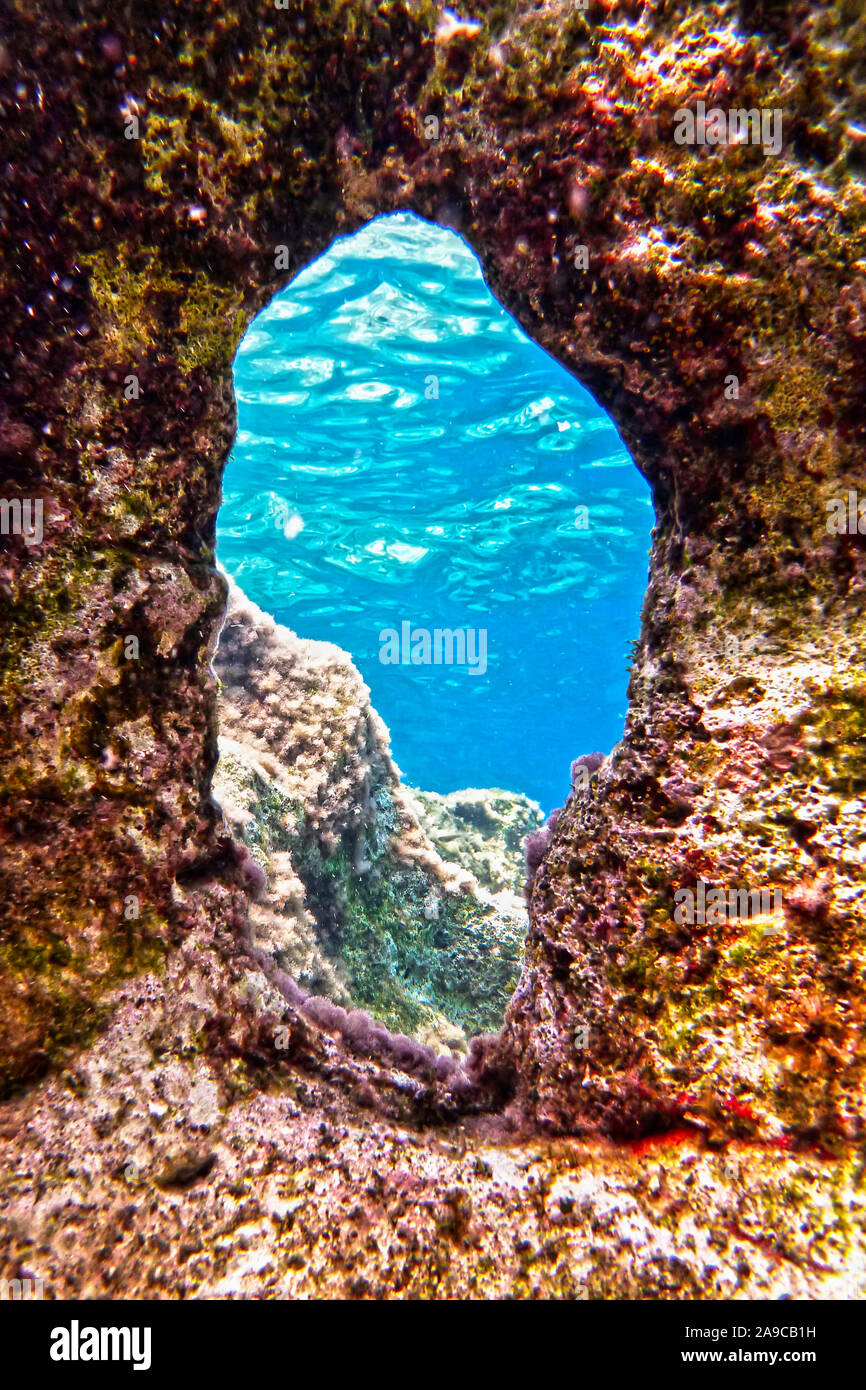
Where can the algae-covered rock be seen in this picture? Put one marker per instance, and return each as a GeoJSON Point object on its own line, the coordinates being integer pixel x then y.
{"type": "Point", "coordinates": [357, 903]}
{"type": "Point", "coordinates": [483, 829]}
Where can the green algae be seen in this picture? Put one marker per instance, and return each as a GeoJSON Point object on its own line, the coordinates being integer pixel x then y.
{"type": "Point", "coordinates": [122, 294]}
{"type": "Point", "coordinates": [407, 965]}
{"type": "Point", "coordinates": [205, 312]}
{"type": "Point", "coordinates": [210, 318]}
{"type": "Point", "coordinates": [414, 953]}
{"type": "Point", "coordinates": [58, 972]}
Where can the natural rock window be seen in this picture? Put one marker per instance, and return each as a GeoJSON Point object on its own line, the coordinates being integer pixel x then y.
{"type": "Point", "coordinates": [675, 1107]}
{"type": "Point", "coordinates": [437, 544]}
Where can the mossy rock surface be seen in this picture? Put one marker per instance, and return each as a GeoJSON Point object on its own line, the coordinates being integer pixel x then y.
{"type": "Point", "coordinates": [358, 904]}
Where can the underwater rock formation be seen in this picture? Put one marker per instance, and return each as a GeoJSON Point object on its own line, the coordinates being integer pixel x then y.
{"type": "Point", "coordinates": [483, 829]}
{"type": "Point", "coordinates": [203, 1184]}
{"type": "Point", "coordinates": [160, 184]}
{"type": "Point", "coordinates": [357, 904]}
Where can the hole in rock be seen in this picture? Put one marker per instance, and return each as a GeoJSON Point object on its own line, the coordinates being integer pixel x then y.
{"type": "Point", "coordinates": [438, 547]}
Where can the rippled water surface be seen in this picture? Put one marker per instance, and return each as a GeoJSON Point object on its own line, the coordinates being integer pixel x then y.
{"type": "Point", "coordinates": [406, 454]}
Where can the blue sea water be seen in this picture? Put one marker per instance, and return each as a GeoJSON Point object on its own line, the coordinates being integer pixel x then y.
{"type": "Point", "coordinates": [406, 454]}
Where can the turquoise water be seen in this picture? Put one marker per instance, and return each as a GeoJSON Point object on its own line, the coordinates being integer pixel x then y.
{"type": "Point", "coordinates": [405, 454]}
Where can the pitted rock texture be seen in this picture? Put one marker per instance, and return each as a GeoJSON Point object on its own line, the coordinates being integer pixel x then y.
{"type": "Point", "coordinates": [177, 1176]}
{"type": "Point", "coordinates": [163, 178]}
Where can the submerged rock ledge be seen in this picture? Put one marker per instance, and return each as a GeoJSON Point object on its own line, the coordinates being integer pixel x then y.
{"type": "Point", "coordinates": [356, 904]}
{"type": "Point", "coordinates": [161, 185]}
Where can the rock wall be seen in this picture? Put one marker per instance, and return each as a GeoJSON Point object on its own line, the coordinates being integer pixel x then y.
{"type": "Point", "coordinates": [357, 904]}
{"type": "Point", "coordinates": [166, 175]}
